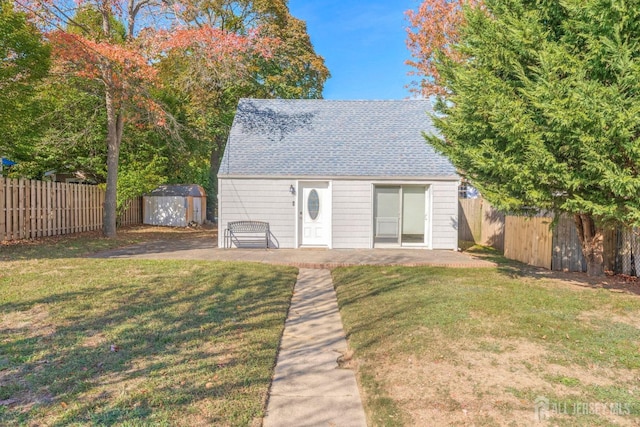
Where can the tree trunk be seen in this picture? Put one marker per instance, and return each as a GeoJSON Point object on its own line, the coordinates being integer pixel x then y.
{"type": "Point", "coordinates": [114, 137]}
{"type": "Point", "coordinates": [592, 241]}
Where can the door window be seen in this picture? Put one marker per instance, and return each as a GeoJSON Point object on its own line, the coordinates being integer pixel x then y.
{"type": "Point", "coordinates": [313, 204]}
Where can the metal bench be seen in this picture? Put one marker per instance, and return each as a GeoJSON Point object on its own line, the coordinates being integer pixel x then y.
{"type": "Point", "coordinates": [252, 234]}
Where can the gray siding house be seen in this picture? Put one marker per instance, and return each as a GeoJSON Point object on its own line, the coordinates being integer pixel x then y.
{"type": "Point", "coordinates": [338, 174]}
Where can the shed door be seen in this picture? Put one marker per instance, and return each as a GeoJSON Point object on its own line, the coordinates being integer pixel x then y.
{"type": "Point", "coordinates": [315, 214]}
{"type": "Point", "coordinates": [197, 210]}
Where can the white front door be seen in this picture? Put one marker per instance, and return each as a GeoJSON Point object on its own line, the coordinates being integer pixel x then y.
{"type": "Point", "coordinates": [314, 211]}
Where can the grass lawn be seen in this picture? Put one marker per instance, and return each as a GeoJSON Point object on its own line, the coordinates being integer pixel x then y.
{"type": "Point", "coordinates": [477, 347]}
{"type": "Point", "coordinates": [195, 341]}
{"type": "Point", "coordinates": [81, 244]}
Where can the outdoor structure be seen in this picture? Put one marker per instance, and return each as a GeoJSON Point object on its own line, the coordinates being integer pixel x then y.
{"type": "Point", "coordinates": [77, 177]}
{"type": "Point", "coordinates": [338, 174]}
{"type": "Point", "coordinates": [175, 205]}
{"type": "Point", "coordinates": [5, 164]}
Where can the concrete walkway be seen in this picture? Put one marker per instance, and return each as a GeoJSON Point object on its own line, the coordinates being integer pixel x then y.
{"type": "Point", "coordinates": [308, 388]}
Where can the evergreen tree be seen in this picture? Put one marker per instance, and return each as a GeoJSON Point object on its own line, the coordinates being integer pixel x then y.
{"type": "Point", "coordinates": [541, 110]}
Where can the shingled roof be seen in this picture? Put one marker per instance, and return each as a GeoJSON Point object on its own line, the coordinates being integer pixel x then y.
{"type": "Point", "coordinates": [326, 138]}
{"type": "Point", "coordinates": [180, 190]}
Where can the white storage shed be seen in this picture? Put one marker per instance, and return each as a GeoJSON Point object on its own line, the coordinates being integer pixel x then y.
{"type": "Point", "coordinates": [175, 205]}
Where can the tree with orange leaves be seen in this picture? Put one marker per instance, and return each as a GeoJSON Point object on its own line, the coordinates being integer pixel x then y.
{"type": "Point", "coordinates": [433, 28]}
{"type": "Point", "coordinates": [124, 63]}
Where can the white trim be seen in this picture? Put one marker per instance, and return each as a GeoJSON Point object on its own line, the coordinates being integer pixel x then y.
{"type": "Point", "coordinates": [372, 237]}
{"type": "Point", "coordinates": [429, 212]}
{"type": "Point", "coordinates": [219, 218]}
{"type": "Point", "coordinates": [296, 220]}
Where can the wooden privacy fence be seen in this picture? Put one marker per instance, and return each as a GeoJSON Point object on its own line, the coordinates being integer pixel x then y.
{"type": "Point", "coordinates": [30, 209]}
{"type": "Point", "coordinates": [481, 223]}
{"type": "Point", "coordinates": [524, 239]}
{"type": "Point", "coordinates": [528, 240]}
{"type": "Point", "coordinates": [470, 220]}
{"type": "Point", "coordinates": [132, 215]}
{"type": "Point", "coordinates": [532, 240]}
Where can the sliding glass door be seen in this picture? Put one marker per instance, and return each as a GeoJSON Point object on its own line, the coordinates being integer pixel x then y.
{"type": "Point", "coordinates": [400, 215]}
{"type": "Point", "coordinates": [387, 215]}
{"type": "Point", "coordinates": [413, 215]}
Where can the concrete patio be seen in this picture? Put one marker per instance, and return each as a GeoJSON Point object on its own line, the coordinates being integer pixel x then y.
{"type": "Point", "coordinates": [205, 249]}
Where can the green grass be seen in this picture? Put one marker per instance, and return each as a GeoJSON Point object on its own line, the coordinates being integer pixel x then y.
{"type": "Point", "coordinates": [82, 244]}
{"type": "Point", "coordinates": [196, 341]}
{"type": "Point", "coordinates": [474, 327]}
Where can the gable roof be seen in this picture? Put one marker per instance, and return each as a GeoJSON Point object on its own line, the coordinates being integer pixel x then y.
{"type": "Point", "coordinates": [326, 138]}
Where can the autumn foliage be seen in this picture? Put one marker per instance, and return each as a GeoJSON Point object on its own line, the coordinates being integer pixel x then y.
{"type": "Point", "coordinates": [130, 65]}
{"type": "Point", "coordinates": [120, 44]}
{"type": "Point", "coordinates": [83, 57]}
{"type": "Point", "coordinates": [433, 28]}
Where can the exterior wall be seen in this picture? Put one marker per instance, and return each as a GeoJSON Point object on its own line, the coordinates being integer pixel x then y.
{"type": "Point", "coordinates": [258, 200]}
{"type": "Point", "coordinates": [352, 214]}
{"type": "Point", "coordinates": [174, 211]}
{"type": "Point", "coordinates": [444, 224]}
{"type": "Point", "coordinates": [165, 210]}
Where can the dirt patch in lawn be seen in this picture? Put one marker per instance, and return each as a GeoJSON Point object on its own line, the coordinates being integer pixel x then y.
{"type": "Point", "coordinates": [91, 242]}
{"type": "Point", "coordinates": [126, 235]}
{"type": "Point", "coordinates": [29, 325]}
{"type": "Point", "coordinates": [483, 387]}
{"type": "Point", "coordinates": [482, 347]}
{"type": "Point", "coordinates": [32, 323]}
{"type": "Point", "coordinates": [468, 389]}
{"type": "Point", "coordinates": [606, 315]}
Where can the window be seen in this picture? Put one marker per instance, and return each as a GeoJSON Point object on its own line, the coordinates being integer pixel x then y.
{"type": "Point", "coordinates": [313, 204]}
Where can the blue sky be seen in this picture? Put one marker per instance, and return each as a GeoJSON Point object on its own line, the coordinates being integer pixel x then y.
{"type": "Point", "coordinates": [363, 43]}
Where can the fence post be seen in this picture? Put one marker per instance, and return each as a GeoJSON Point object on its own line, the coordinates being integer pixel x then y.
{"type": "Point", "coordinates": [10, 209]}
{"type": "Point", "coordinates": [33, 229]}
{"type": "Point", "coordinates": [3, 210]}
